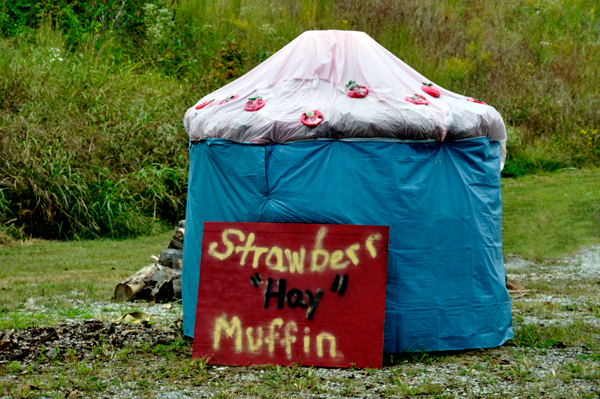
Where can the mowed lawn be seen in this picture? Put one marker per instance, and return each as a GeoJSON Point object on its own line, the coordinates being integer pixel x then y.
{"type": "Point", "coordinates": [55, 273]}
{"type": "Point", "coordinates": [549, 215]}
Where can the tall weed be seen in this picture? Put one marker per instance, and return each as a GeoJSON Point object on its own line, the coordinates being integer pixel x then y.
{"type": "Point", "coordinates": [92, 93]}
{"type": "Point", "coordinates": [534, 60]}
{"type": "Point", "coordinates": [79, 136]}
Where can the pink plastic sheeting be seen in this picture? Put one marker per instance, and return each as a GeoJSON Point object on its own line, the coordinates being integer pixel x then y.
{"type": "Point", "coordinates": [311, 73]}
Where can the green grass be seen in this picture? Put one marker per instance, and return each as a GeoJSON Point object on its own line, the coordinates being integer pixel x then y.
{"type": "Point", "coordinates": [553, 214]}
{"type": "Point", "coordinates": [145, 372]}
{"type": "Point", "coordinates": [65, 277]}
{"type": "Point", "coordinates": [574, 334]}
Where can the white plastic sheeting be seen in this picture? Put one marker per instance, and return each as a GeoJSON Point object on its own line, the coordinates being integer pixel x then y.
{"type": "Point", "coordinates": [311, 73]}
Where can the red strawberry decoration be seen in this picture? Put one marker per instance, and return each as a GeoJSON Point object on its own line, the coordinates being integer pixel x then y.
{"type": "Point", "coordinates": [312, 118]}
{"type": "Point", "coordinates": [355, 90]}
{"type": "Point", "coordinates": [204, 104]}
{"type": "Point", "coordinates": [475, 100]}
{"type": "Point", "coordinates": [417, 99]}
{"type": "Point", "coordinates": [429, 89]}
{"type": "Point", "coordinates": [254, 104]}
{"type": "Point", "coordinates": [228, 99]}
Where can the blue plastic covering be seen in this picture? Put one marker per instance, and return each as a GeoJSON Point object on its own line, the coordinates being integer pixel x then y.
{"type": "Point", "coordinates": [446, 282]}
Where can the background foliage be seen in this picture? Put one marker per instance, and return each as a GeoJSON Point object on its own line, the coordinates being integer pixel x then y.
{"type": "Point", "coordinates": [92, 93]}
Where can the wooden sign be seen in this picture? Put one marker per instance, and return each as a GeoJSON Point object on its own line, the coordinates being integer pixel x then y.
{"type": "Point", "coordinates": [279, 293]}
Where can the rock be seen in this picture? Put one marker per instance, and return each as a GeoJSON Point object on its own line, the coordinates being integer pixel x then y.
{"type": "Point", "coordinates": [107, 328]}
{"type": "Point", "coordinates": [168, 257]}
{"type": "Point", "coordinates": [181, 224]}
{"type": "Point", "coordinates": [175, 244]}
{"type": "Point", "coordinates": [74, 394]}
{"type": "Point", "coordinates": [51, 353]}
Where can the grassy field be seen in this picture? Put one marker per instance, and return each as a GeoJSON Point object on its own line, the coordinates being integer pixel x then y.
{"type": "Point", "coordinates": [59, 274]}
{"type": "Point", "coordinates": [552, 214]}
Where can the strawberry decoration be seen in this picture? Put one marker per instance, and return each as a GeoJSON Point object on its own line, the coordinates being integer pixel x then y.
{"type": "Point", "coordinates": [475, 100]}
{"type": "Point", "coordinates": [311, 118]}
{"type": "Point", "coordinates": [429, 89]}
{"type": "Point", "coordinates": [204, 104]}
{"type": "Point", "coordinates": [355, 90]}
{"type": "Point", "coordinates": [417, 99]}
{"type": "Point", "coordinates": [228, 99]}
{"type": "Point", "coordinates": [254, 104]}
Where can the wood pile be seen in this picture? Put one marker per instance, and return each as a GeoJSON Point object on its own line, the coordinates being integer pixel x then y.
{"type": "Point", "coordinates": [160, 281]}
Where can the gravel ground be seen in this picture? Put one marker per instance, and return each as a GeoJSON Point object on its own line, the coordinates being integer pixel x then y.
{"type": "Point", "coordinates": [560, 294]}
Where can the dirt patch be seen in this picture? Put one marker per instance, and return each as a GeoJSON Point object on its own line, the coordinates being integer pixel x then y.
{"type": "Point", "coordinates": [80, 340]}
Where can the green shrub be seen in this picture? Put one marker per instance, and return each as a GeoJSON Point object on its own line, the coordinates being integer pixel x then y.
{"type": "Point", "coordinates": [75, 18]}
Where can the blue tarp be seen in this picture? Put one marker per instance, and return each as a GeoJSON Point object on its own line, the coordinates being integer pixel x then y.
{"type": "Point", "coordinates": [446, 282]}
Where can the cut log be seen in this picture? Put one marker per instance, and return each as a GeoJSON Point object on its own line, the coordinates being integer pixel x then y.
{"type": "Point", "coordinates": [144, 294]}
{"type": "Point", "coordinates": [175, 244]}
{"type": "Point", "coordinates": [163, 291]}
{"type": "Point", "coordinates": [163, 274]}
{"type": "Point", "coordinates": [163, 287]}
{"type": "Point", "coordinates": [176, 280]}
{"type": "Point", "coordinates": [168, 257]}
{"type": "Point", "coordinates": [126, 290]}
{"type": "Point", "coordinates": [514, 285]}
{"type": "Point", "coordinates": [179, 233]}
{"type": "Point", "coordinates": [177, 240]}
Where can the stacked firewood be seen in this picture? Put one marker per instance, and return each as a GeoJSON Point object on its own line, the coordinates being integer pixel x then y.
{"type": "Point", "coordinates": [160, 281]}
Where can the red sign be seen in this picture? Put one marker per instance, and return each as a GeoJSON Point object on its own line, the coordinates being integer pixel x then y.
{"type": "Point", "coordinates": [282, 293]}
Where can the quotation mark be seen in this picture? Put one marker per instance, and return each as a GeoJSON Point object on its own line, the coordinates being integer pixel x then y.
{"type": "Point", "coordinates": [340, 285]}
{"type": "Point", "coordinates": [256, 279]}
